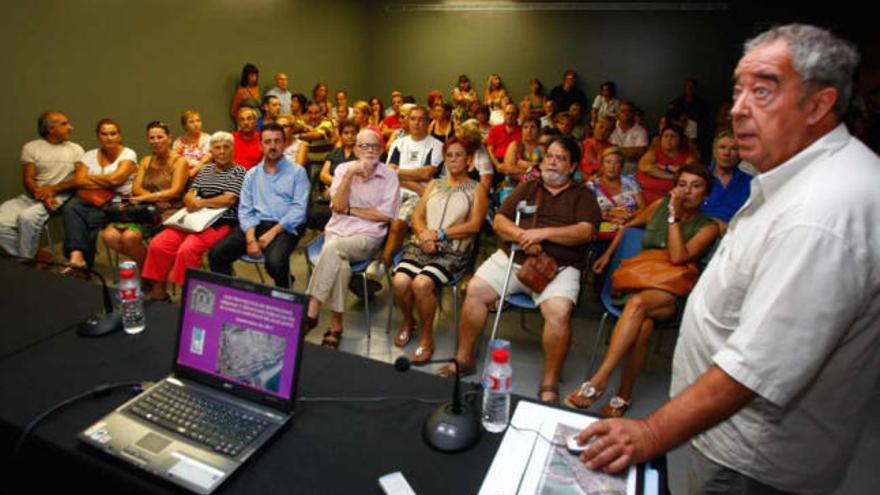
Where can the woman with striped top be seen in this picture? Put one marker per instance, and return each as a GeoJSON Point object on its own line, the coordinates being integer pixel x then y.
{"type": "Point", "coordinates": [217, 185]}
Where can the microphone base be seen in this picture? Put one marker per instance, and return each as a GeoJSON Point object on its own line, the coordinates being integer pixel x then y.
{"type": "Point", "coordinates": [447, 431]}
{"type": "Point", "coordinates": [100, 325]}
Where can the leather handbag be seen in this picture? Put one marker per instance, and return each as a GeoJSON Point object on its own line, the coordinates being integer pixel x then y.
{"type": "Point", "coordinates": [652, 269]}
{"type": "Point", "coordinates": [539, 269]}
{"type": "Point", "coordinates": [537, 272]}
{"type": "Point", "coordinates": [95, 197]}
{"type": "Point", "coordinates": [145, 214]}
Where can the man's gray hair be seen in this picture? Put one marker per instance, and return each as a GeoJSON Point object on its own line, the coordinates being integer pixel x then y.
{"type": "Point", "coordinates": [222, 137]}
{"type": "Point", "coordinates": [366, 131]}
{"type": "Point", "coordinates": [819, 57]}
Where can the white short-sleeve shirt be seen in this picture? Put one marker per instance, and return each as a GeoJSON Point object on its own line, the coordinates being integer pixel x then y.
{"type": "Point", "coordinates": [90, 160]}
{"type": "Point", "coordinates": [790, 308]}
{"type": "Point", "coordinates": [54, 162]}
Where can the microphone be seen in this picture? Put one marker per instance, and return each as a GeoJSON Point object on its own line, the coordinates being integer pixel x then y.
{"type": "Point", "coordinates": [453, 426]}
{"type": "Point", "coordinates": [98, 324]}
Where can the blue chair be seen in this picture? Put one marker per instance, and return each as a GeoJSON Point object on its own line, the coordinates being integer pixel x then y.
{"type": "Point", "coordinates": [630, 245]}
{"type": "Point", "coordinates": [256, 262]}
{"type": "Point", "coordinates": [358, 269]}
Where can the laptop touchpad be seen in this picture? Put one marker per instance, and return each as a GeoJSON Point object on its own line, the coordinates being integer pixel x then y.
{"type": "Point", "coordinates": [153, 443]}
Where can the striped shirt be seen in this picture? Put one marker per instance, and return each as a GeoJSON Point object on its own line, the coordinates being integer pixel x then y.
{"type": "Point", "coordinates": [211, 182]}
{"type": "Point", "coordinates": [319, 148]}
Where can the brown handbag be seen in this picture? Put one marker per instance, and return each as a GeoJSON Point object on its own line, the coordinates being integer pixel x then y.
{"type": "Point", "coordinates": [651, 269]}
{"type": "Point", "coordinates": [95, 197]}
{"type": "Point", "coordinates": [538, 270]}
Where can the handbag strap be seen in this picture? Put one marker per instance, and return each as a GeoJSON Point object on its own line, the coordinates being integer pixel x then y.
{"type": "Point", "coordinates": [538, 197]}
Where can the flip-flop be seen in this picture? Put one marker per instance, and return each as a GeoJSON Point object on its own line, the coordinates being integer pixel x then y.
{"type": "Point", "coordinates": [584, 396]}
{"type": "Point", "coordinates": [615, 408]}
{"type": "Point", "coordinates": [403, 336]}
{"type": "Point", "coordinates": [422, 353]}
{"type": "Point", "coordinates": [550, 389]}
{"type": "Point", "coordinates": [447, 371]}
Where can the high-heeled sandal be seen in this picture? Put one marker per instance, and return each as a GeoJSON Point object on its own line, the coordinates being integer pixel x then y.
{"type": "Point", "coordinates": [584, 396]}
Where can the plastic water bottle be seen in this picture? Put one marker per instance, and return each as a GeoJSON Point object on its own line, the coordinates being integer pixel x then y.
{"type": "Point", "coordinates": [131, 301]}
{"type": "Point", "coordinates": [497, 383]}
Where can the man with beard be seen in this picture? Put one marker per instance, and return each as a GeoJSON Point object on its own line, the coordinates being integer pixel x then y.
{"type": "Point", "coordinates": [567, 217]}
{"type": "Point", "coordinates": [271, 212]}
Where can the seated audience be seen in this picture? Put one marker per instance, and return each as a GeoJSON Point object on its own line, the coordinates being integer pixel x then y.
{"type": "Point", "coordinates": [566, 219]}
{"type": "Point", "coordinates": [271, 111]}
{"type": "Point", "coordinates": [376, 115]}
{"type": "Point", "coordinates": [281, 91]}
{"type": "Point", "coordinates": [365, 199]}
{"type": "Point", "coordinates": [568, 92]}
{"type": "Point", "coordinates": [619, 197]}
{"type": "Point", "coordinates": [247, 94]}
{"type": "Point", "coordinates": [480, 113]}
{"type": "Point", "coordinates": [673, 223]}
{"type": "Point", "coordinates": [463, 95]}
{"type": "Point", "coordinates": [392, 121]}
{"type": "Point", "coordinates": [159, 182]}
{"type": "Point", "coordinates": [319, 209]}
{"type": "Point", "coordinates": [295, 149]}
{"type": "Point", "coordinates": [298, 104]}
{"type": "Point", "coordinates": [533, 103]}
{"type": "Point", "coordinates": [659, 166]}
{"type": "Point", "coordinates": [433, 98]}
{"type": "Point", "coordinates": [445, 222]}
{"type": "Point", "coordinates": [579, 125]}
{"type": "Point", "coordinates": [341, 111]}
{"type": "Point", "coordinates": [493, 97]}
{"type": "Point", "coordinates": [271, 212]}
{"type": "Point", "coordinates": [606, 103]}
{"type": "Point", "coordinates": [502, 135]}
{"type": "Point", "coordinates": [361, 116]}
{"type": "Point", "coordinates": [441, 126]}
{"type": "Point", "coordinates": [217, 185]}
{"type": "Point", "coordinates": [416, 158]}
{"type": "Point", "coordinates": [730, 185]}
{"type": "Point", "coordinates": [247, 139]}
{"type": "Point", "coordinates": [193, 145]}
{"type": "Point", "coordinates": [403, 130]}
{"type": "Point", "coordinates": [480, 167]}
{"type": "Point", "coordinates": [521, 160]}
{"type": "Point", "coordinates": [549, 114]}
{"type": "Point", "coordinates": [594, 146]}
{"type": "Point", "coordinates": [319, 95]}
{"type": "Point", "coordinates": [318, 132]}
{"type": "Point", "coordinates": [47, 173]}
{"type": "Point", "coordinates": [629, 136]}
{"type": "Point", "coordinates": [103, 175]}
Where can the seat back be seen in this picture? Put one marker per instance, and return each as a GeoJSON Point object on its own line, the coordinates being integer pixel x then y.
{"type": "Point", "coordinates": [630, 245]}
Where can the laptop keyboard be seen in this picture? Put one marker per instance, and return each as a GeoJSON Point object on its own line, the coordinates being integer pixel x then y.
{"type": "Point", "coordinates": [224, 428]}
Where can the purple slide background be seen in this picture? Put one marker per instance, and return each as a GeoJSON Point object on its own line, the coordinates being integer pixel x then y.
{"type": "Point", "coordinates": [213, 325]}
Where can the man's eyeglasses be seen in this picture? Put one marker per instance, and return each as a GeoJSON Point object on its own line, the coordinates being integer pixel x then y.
{"type": "Point", "coordinates": [369, 146]}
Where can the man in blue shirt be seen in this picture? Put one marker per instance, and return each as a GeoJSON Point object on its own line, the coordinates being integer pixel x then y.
{"type": "Point", "coordinates": [271, 212]}
{"type": "Point", "coordinates": [731, 186]}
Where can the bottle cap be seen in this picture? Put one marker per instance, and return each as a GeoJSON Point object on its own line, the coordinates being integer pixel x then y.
{"type": "Point", "coordinates": [500, 356]}
{"type": "Point", "coordinates": [126, 273]}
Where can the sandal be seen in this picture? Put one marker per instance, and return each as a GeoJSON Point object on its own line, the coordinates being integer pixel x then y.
{"type": "Point", "coordinates": [583, 397]}
{"type": "Point", "coordinates": [309, 323]}
{"type": "Point", "coordinates": [422, 353]}
{"type": "Point", "coordinates": [448, 371]}
{"type": "Point", "coordinates": [615, 408]}
{"type": "Point", "coordinates": [549, 389]}
{"type": "Point", "coordinates": [404, 336]}
{"type": "Point", "coordinates": [332, 338]}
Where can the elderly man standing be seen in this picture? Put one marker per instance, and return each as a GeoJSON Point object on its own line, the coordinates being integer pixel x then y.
{"type": "Point", "coordinates": [247, 139]}
{"type": "Point", "coordinates": [281, 92]}
{"type": "Point", "coordinates": [779, 354]}
{"type": "Point", "coordinates": [364, 199]}
{"type": "Point", "coordinates": [271, 212]}
{"type": "Point", "coordinates": [567, 217]}
{"type": "Point", "coordinates": [47, 174]}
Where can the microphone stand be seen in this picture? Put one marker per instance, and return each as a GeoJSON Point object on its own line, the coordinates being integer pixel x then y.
{"type": "Point", "coordinates": [109, 321]}
{"type": "Point", "coordinates": [453, 426]}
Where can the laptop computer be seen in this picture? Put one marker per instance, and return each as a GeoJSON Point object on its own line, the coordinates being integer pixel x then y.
{"type": "Point", "coordinates": [233, 385]}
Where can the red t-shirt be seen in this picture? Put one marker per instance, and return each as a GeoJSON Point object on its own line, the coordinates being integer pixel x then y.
{"type": "Point", "coordinates": [500, 139]}
{"type": "Point", "coordinates": [247, 151]}
{"type": "Point", "coordinates": [392, 121]}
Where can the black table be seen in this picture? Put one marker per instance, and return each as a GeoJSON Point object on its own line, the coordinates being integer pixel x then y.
{"type": "Point", "coordinates": [339, 447]}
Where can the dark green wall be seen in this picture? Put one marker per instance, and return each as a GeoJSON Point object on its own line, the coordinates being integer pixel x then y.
{"type": "Point", "coordinates": [138, 61]}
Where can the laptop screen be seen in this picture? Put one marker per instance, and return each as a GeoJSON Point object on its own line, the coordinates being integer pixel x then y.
{"type": "Point", "coordinates": [247, 337]}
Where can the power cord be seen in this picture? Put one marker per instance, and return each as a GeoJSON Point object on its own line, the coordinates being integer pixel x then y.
{"type": "Point", "coordinates": [99, 391]}
{"type": "Point", "coordinates": [530, 430]}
